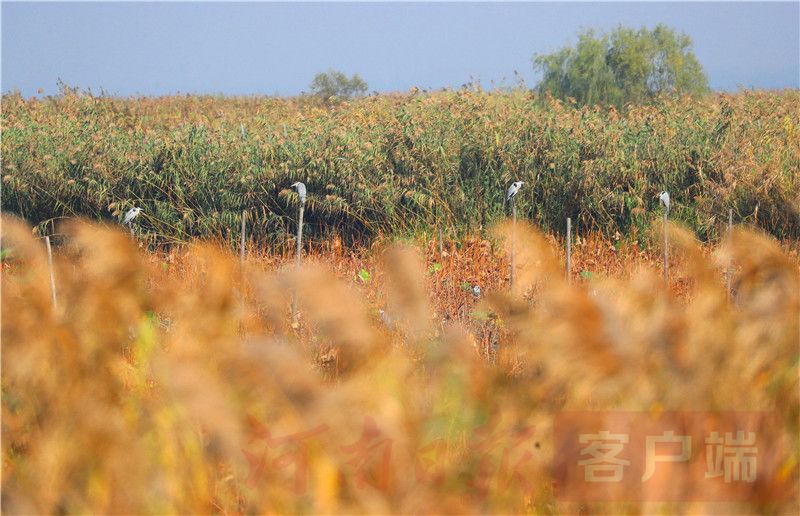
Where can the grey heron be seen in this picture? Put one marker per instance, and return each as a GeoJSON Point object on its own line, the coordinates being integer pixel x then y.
{"type": "Point", "coordinates": [301, 191]}
{"type": "Point", "coordinates": [664, 198]}
{"type": "Point", "coordinates": [130, 215]}
{"type": "Point", "coordinates": [513, 189]}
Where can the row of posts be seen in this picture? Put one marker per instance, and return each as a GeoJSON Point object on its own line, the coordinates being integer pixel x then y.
{"type": "Point", "coordinates": [728, 272]}
{"type": "Point", "coordinates": [243, 240]}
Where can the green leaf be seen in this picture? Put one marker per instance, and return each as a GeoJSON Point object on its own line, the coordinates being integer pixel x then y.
{"type": "Point", "coordinates": [363, 275]}
{"type": "Point", "coordinates": [481, 315]}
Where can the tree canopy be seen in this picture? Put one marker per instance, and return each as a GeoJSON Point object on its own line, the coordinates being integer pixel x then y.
{"type": "Point", "coordinates": [333, 85]}
{"type": "Point", "coordinates": [624, 66]}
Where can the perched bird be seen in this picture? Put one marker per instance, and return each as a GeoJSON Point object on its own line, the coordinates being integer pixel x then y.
{"type": "Point", "coordinates": [513, 189]}
{"type": "Point", "coordinates": [387, 319]}
{"type": "Point", "coordinates": [130, 215]}
{"type": "Point", "coordinates": [476, 291]}
{"type": "Point", "coordinates": [301, 191]}
{"type": "Point", "coordinates": [664, 198]}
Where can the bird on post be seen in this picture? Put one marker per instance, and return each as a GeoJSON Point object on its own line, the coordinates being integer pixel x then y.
{"type": "Point", "coordinates": [476, 291]}
{"type": "Point", "coordinates": [301, 191]}
{"type": "Point", "coordinates": [512, 190]}
{"type": "Point", "coordinates": [130, 215]}
{"type": "Point", "coordinates": [664, 198]}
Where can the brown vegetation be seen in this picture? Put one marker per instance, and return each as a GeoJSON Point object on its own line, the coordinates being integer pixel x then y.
{"type": "Point", "coordinates": [178, 384]}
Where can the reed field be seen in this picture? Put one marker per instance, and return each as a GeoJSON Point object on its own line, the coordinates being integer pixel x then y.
{"type": "Point", "coordinates": [401, 164]}
{"type": "Point", "coordinates": [181, 381]}
{"type": "Point", "coordinates": [399, 367]}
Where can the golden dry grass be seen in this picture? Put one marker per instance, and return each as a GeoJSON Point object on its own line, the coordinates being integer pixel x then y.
{"type": "Point", "coordinates": [180, 385]}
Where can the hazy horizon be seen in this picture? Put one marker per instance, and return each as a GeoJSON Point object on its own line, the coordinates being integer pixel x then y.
{"type": "Point", "coordinates": [255, 49]}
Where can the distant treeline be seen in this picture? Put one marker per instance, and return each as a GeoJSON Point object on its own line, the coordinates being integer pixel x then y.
{"type": "Point", "coordinates": [401, 164]}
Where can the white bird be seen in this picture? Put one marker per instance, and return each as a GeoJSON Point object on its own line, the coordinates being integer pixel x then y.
{"type": "Point", "coordinates": [476, 291]}
{"type": "Point", "coordinates": [131, 214]}
{"type": "Point", "coordinates": [513, 189]}
{"type": "Point", "coordinates": [301, 191]}
{"type": "Point", "coordinates": [387, 319]}
{"type": "Point", "coordinates": [664, 198]}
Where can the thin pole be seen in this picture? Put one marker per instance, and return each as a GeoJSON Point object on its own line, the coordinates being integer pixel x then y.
{"type": "Point", "coordinates": [569, 249]}
{"type": "Point", "coordinates": [513, 237]}
{"type": "Point", "coordinates": [295, 322]}
{"type": "Point", "coordinates": [50, 266]}
{"type": "Point", "coordinates": [299, 235]}
{"type": "Point", "coordinates": [666, 249]}
{"type": "Point", "coordinates": [729, 272]}
{"type": "Point", "coordinates": [244, 236]}
{"type": "Point", "coordinates": [441, 245]}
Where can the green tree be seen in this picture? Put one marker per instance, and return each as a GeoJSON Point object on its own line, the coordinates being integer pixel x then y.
{"type": "Point", "coordinates": [624, 66]}
{"type": "Point", "coordinates": [332, 86]}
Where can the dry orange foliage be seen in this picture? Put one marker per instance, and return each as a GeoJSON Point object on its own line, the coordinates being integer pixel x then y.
{"type": "Point", "coordinates": [179, 384]}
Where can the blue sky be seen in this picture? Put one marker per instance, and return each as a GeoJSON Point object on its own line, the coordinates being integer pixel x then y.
{"type": "Point", "coordinates": [276, 48]}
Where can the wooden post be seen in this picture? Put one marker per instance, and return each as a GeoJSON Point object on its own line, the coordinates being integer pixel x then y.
{"type": "Point", "coordinates": [729, 272]}
{"type": "Point", "coordinates": [513, 238]}
{"type": "Point", "coordinates": [666, 249]}
{"type": "Point", "coordinates": [299, 235]}
{"type": "Point", "coordinates": [295, 322]}
{"type": "Point", "coordinates": [569, 249]}
{"type": "Point", "coordinates": [50, 266]}
{"type": "Point", "coordinates": [244, 237]}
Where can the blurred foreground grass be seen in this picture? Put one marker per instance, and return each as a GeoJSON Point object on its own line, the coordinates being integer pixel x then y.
{"type": "Point", "coordinates": [163, 387]}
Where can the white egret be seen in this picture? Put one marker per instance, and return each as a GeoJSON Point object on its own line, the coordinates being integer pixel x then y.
{"type": "Point", "coordinates": [130, 215]}
{"type": "Point", "coordinates": [301, 191]}
{"type": "Point", "coordinates": [664, 198]}
{"type": "Point", "coordinates": [476, 291]}
{"type": "Point", "coordinates": [513, 189]}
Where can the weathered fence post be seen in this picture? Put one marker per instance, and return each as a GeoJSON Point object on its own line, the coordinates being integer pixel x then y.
{"type": "Point", "coordinates": [243, 237]}
{"type": "Point", "coordinates": [299, 235]}
{"type": "Point", "coordinates": [295, 321]}
{"type": "Point", "coordinates": [729, 271]}
{"type": "Point", "coordinates": [513, 237]}
{"type": "Point", "coordinates": [569, 249]}
{"type": "Point", "coordinates": [52, 273]}
{"type": "Point", "coordinates": [755, 215]}
{"type": "Point", "coordinates": [666, 248]}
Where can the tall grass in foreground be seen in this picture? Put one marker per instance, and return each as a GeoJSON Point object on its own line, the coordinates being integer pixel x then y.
{"type": "Point", "coordinates": [188, 391]}
{"type": "Point", "coordinates": [393, 164]}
